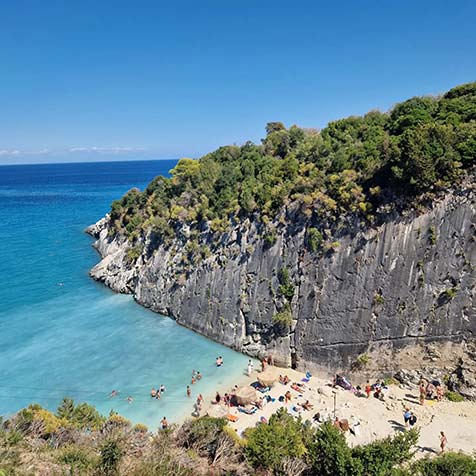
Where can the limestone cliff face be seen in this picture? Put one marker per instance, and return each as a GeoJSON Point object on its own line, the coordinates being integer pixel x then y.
{"type": "Point", "coordinates": [409, 280]}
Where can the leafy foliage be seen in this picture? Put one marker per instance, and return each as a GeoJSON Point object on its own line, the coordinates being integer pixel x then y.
{"type": "Point", "coordinates": [350, 167]}
{"type": "Point", "coordinates": [448, 464]}
{"type": "Point", "coordinates": [268, 445]}
{"type": "Point", "coordinates": [454, 396]}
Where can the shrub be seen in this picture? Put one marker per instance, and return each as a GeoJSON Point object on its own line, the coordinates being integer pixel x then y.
{"type": "Point", "coordinates": [329, 454]}
{"type": "Point", "coordinates": [81, 416]}
{"type": "Point", "coordinates": [363, 359]}
{"type": "Point", "coordinates": [314, 239]}
{"type": "Point", "coordinates": [281, 438]}
{"type": "Point", "coordinates": [448, 464]}
{"type": "Point", "coordinates": [140, 428]}
{"type": "Point", "coordinates": [270, 239]}
{"type": "Point", "coordinates": [378, 299]}
{"type": "Point", "coordinates": [454, 396]}
{"type": "Point", "coordinates": [450, 293]}
{"type": "Point", "coordinates": [134, 253]}
{"type": "Point", "coordinates": [284, 317]}
{"type": "Point", "coordinates": [432, 235]}
{"type": "Point", "coordinates": [381, 456]}
{"type": "Point", "coordinates": [286, 287]}
{"type": "Point", "coordinates": [110, 455]}
{"type": "Point", "coordinates": [76, 457]}
{"type": "Point", "coordinates": [202, 435]}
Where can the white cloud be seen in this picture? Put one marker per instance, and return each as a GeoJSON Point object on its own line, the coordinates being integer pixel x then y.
{"type": "Point", "coordinates": [8, 152]}
{"type": "Point", "coordinates": [106, 150]}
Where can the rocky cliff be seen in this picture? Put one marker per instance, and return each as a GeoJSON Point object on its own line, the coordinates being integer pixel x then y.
{"type": "Point", "coordinates": [371, 292]}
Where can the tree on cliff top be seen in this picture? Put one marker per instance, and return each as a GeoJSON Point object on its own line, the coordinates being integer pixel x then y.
{"type": "Point", "coordinates": [350, 167]}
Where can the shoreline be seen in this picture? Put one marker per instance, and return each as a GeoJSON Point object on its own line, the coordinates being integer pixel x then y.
{"type": "Point", "coordinates": [373, 418]}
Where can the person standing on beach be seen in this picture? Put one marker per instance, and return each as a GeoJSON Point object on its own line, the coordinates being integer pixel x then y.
{"type": "Point", "coordinates": [164, 423]}
{"type": "Point", "coordinates": [189, 392]}
{"type": "Point", "coordinates": [443, 441]}
{"type": "Point", "coordinates": [264, 362]}
{"type": "Point", "coordinates": [368, 389]}
{"type": "Point", "coordinates": [250, 367]}
{"type": "Point", "coordinates": [407, 414]}
{"type": "Point", "coordinates": [422, 393]}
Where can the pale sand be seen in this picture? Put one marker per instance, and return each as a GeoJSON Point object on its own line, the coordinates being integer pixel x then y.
{"type": "Point", "coordinates": [377, 419]}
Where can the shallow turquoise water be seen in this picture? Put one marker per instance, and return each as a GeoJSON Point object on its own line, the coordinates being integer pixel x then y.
{"type": "Point", "coordinates": [62, 334]}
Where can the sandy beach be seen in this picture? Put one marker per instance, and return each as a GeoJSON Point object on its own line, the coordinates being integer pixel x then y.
{"type": "Point", "coordinates": [371, 418]}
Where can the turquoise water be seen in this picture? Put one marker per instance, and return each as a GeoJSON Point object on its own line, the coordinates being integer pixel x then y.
{"type": "Point", "coordinates": [61, 333]}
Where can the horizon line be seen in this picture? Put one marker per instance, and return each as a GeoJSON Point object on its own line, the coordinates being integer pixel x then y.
{"type": "Point", "coordinates": [88, 162]}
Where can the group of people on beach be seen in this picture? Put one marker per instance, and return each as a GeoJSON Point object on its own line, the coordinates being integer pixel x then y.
{"type": "Point", "coordinates": [430, 391]}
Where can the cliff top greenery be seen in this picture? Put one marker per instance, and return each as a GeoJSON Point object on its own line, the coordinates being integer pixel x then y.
{"type": "Point", "coordinates": [350, 167]}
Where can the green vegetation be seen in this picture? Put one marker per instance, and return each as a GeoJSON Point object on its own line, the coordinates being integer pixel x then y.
{"type": "Point", "coordinates": [269, 446]}
{"type": "Point", "coordinates": [454, 396]}
{"type": "Point", "coordinates": [363, 359]}
{"type": "Point", "coordinates": [134, 253]}
{"type": "Point", "coordinates": [448, 464]}
{"type": "Point", "coordinates": [314, 239]}
{"type": "Point", "coordinates": [284, 446]}
{"type": "Point", "coordinates": [284, 317]}
{"type": "Point", "coordinates": [450, 293]}
{"type": "Point", "coordinates": [378, 299]}
{"type": "Point", "coordinates": [286, 287]}
{"type": "Point", "coordinates": [351, 167]}
{"type": "Point", "coordinates": [432, 235]}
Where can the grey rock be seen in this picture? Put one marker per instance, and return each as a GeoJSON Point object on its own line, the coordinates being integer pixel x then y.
{"type": "Point", "coordinates": [425, 287]}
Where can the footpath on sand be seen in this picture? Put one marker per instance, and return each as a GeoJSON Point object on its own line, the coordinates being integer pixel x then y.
{"type": "Point", "coordinates": [368, 418]}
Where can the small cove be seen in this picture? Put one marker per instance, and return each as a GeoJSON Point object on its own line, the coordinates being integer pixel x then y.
{"type": "Point", "coordinates": [62, 334]}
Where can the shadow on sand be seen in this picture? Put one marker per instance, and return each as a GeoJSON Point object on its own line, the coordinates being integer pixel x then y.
{"type": "Point", "coordinates": [396, 425]}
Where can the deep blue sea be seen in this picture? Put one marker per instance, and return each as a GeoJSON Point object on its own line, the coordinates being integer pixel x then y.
{"type": "Point", "coordinates": [61, 333]}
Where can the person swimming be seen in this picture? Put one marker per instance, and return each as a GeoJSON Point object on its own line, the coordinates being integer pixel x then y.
{"type": "Point", "coordinates": [113, 393]}
{"type": "Point", "coordinates": [198, 375]}
{"type": "Point", "coordinates": [158, 395]}
{"type": "Point", "coordinates": [153, 392]}
{"type": "Point", "coordinates": [219, 361]}
{"type": "Point", "coordinates": [189, 391]}
{"type": "Point", "coordinates": [129, 399]}
{"type": "Point", "coordinates": [162, 388]}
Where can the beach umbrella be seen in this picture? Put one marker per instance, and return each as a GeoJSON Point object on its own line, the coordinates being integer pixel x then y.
{"type": "Point", "coordinates": [267, 378]}
{"type": "Point", "coordinates": [217, 411]}
{"type": "Point", "coordinates": [245, 395]}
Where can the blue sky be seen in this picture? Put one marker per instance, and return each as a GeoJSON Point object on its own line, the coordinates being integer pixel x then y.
{"type": "Point", "coordinates": [100, 80]}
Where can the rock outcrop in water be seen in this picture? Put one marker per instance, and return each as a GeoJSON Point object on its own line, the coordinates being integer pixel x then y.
{"type": "Point", "coordinates": [373, 293]}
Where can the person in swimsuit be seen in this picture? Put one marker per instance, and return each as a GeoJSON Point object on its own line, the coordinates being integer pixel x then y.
{"type": "Point", "coordinates": [199, 375]}
{"type": "Point", "coordinates": [158, 395]}
{"type": "Point", "coordinates": [368, 389]}
{"type": "Point", "coordinates": [189, 392]}
{"type": "Point", "coordinates": [443, 441]}
{"type": "Point", "coordinates": [249, 368]}
{"type": "Point", "coordinates": [162, 388]}
{"type": "Point", "coordinates": [164, 423]}
{"type": "Point", "coordinates": [422, 394]}
{"type": "Point", "coordinates": [153, 393]}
